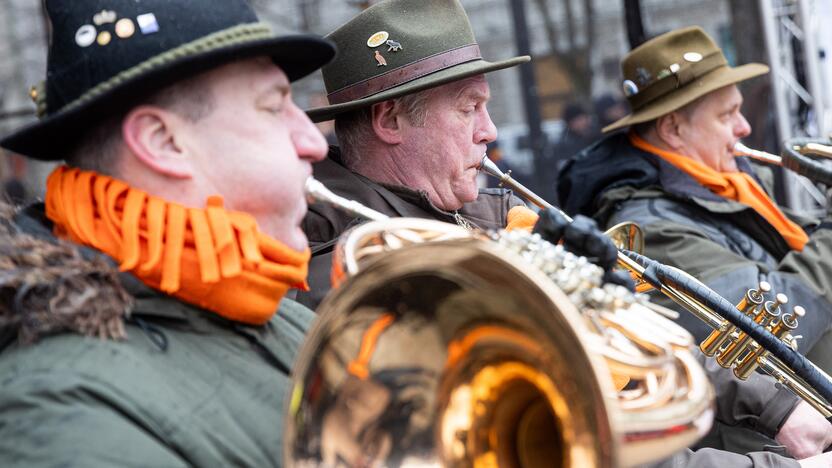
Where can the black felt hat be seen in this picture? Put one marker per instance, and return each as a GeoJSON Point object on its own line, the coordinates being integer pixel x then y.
{"type": "Point", "coordinates": [104, 54]}
{"type": "Point", "coordinates": [399, 47]}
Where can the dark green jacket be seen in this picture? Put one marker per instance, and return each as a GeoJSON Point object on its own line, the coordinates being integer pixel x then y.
{"type": "Point", "coordinates": [324, 224]}
{"type": "Point", "coordinates": [185, 388]}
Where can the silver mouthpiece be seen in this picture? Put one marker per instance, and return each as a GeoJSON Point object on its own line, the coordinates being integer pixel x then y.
{"type": "Point", "coordinates": [742, 150]}
{"type": "Point", "coordinates": [488, 167]}
{"type": "Point", "coordinates": [317, 192]}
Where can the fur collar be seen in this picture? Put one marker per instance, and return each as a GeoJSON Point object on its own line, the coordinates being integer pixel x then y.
{"type": "Point", "coordinates": [49, 286]}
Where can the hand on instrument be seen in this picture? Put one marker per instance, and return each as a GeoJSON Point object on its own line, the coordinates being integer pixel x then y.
{"type": "Point", "coordinates": [805, 433]}
{"type": "Point", "coordinates": [582, 237]}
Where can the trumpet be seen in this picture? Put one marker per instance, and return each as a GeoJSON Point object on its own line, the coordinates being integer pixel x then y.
{"type": "Point", "coordinates": [801, 155]}
{"type": "Point", "coordinates": [626, 236]}
{"type": "Point", "coordinates": [741, 150]}
{"type": "Point", "coordinates": [746, 337]}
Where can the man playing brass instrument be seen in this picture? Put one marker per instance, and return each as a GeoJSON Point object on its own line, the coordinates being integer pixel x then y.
{"type": "Point", "coordinates": [703, 210]}
{"type": "Point", "coordinates": [412, 129]}
{"type": "Point", "coordinates": [187, 159]}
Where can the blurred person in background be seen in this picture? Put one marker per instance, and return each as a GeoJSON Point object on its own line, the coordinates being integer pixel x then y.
{"type": "Point", "coordinates": [608, 109]}
{"type": "Point", "coordinates": [578, 132]}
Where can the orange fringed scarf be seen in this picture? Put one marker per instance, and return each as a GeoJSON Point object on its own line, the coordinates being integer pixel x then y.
{"type": "Point", "coordinates": [737, 186]}
{"type": "Point", "coordinates": [213, 258]}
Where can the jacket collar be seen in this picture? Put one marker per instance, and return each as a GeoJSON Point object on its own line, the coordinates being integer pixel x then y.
{"type": "Point", "coordinates": [678, 183]}
{"type": "Point", "coordinates": [614, 162]}
{"type": "Point", "coordinates": [149, 304]}
{"type": "Point", "coordinates": [402, 199]}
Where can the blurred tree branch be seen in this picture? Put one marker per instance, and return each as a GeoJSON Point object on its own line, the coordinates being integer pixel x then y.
{"type": "Point", "coordinates": [574, 57]}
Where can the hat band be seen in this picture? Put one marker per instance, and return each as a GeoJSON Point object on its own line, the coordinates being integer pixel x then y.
{"type": "Point", "coordinates": [239, 34]}
{"type": "Point", "coordinates": [406, 73]}
{"type": "Point", "coordinates": [683, 77]}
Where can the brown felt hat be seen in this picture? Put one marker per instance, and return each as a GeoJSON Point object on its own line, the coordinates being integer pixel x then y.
{"type": "Point", "coordinates": [674, 69]}
{"type": "Point", "coordinates": [399, 47]}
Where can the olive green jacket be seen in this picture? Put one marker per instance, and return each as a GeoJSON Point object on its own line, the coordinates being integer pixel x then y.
{"type": "Point", "coordinates": [723, 243]}
{"type": "Point", "coordinates": [185, 388]}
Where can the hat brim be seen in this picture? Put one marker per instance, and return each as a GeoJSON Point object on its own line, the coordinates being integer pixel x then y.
{"type": "Point", "coordinates": [457, 72]}
{"type": "Point", "coordinates": [47, 140]}
{"type": "Point", "coordinates": [712, 81]}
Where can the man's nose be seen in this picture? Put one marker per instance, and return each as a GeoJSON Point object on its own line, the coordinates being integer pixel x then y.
{"type": "Point", "coordinates": [486, 131]}
{"type": "Point", "coordinates": [308, 140]}
{"type": "Point", "coordinates": [742, 128]}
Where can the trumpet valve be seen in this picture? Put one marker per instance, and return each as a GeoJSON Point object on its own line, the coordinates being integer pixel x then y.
{"type": "Point", "coordinates": [773, 308]}
{"type": "Point", "coordinates": [748, 364]}
{"type": "Point", "coordinates": [724, 340]}
{"type": "Point", "coordinates": [711, 345]}
{"type": "Point", "coordinates": [789, 324]}
{"type": "Point", "coordinates": [781, 329]}
{"type": "Point", "coordinates": [753, 298]}
{"type": "Point", "coordinates": [736, 351]}
{"type": "Point", "coordinates": [789, 321]}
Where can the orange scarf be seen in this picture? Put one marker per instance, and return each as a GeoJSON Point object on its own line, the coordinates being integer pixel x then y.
{"type": "Point", "coordinates": [212, 258]}
{"type": "Point", "coordinates": [737, 186]}
{"type": "Point", "coordinates": [520, 217]}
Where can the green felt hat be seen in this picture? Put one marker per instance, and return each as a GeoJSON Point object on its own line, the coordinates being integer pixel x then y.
{"type": "Point", "coordinates": [674, 69]}
{"type": "Point", "coordinates": [399, 47]}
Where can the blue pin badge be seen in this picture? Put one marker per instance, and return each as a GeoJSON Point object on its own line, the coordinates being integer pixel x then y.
{"type": "Point", "coordinates": [630, 88]}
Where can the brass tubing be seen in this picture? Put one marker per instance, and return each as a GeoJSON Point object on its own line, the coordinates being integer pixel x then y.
{"type": "Point", "coordinates": [692, 305]}
{"type": "Point", "coordinates": [742, 150]}
{"type": "Point", "coordinates": [717, 339]}
{"type": "Point", "coordinates": [711, 318]}
{"type": "Point", "coordinates": [816, 149]}
{"type": "Point", "coordinates": [316, 191]}
{"type": "Point", "coordinates": [488, 166]}
{"type": "Point", "coordinates": [775, 368]}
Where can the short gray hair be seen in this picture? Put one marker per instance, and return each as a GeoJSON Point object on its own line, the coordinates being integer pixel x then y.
{"type": "Point", "coordinates": [687, 110]}
{"type": "Point", "coordinates": [96, 149]}
{"type": "Point", "coordinates": [355, 128]}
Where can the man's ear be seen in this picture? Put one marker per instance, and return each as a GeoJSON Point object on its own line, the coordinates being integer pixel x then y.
{"type": "Point", "coordinates": [667, 129]}
{"type": "Point", "coordinates": [150, 133]}
{"type": "Point", "coordinates": [387, 122]}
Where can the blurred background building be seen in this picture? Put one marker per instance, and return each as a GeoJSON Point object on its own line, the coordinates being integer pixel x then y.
{"type": "Point", "coordinates": [576, 46]}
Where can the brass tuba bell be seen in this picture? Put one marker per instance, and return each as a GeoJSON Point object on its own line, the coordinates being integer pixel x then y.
{"type": "Point", "coordinates": [443, 347]}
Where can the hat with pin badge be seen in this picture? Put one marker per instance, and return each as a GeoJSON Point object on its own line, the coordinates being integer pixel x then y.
{"type": "Point", "coordinates": [674, 69]}
{"type": "Point", "coordinates": [399, 47]}
{"type": "Point", "coordinates": [106, 54]}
